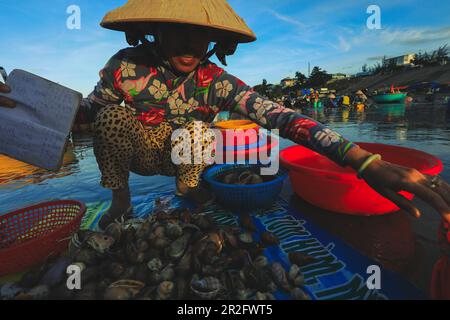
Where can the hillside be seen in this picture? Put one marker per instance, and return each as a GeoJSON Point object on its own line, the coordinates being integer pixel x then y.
{"type": "Point", "coordinates": [440, 74]}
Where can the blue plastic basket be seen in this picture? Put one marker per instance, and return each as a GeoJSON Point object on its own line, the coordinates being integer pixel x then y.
{"type": "Point", "coordinates": [243, 198]}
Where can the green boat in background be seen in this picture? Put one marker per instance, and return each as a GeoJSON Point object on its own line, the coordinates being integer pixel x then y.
{"type": "Point", "coordinates": [390, 98]}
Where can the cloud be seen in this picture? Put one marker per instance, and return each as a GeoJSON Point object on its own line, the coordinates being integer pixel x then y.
{"type": "Point", "coordinates": [376, 58]}
{"type": "Point", "coordinates": [416, 36]}
{"type": "Point", "coordinates": [286, 19]}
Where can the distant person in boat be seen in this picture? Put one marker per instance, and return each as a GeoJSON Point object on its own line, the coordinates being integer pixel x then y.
{"type": "Point", "coordinates": [170, 83]}
{"type": "Point", "coordinates": [330, 101]}
{"type": "Point", "coordinates": [359, 97]}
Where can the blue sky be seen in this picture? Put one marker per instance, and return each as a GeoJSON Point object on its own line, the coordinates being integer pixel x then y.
{"type": "Point", "coordinates": [291, 33]}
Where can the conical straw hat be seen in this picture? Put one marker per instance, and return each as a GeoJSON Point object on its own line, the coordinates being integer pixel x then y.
{"type": "Point", "coordinates": [215, 14]}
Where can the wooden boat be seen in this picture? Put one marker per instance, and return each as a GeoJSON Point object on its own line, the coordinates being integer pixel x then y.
{"type": "Point", "coordinates": [390, 98]}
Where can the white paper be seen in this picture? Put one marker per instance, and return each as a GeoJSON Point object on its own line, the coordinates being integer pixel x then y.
{"type": "Point", "coordinates": [36, 130]}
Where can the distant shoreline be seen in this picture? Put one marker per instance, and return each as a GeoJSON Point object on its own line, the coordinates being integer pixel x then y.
{"type": "Point", "coordinates": [439, 74]}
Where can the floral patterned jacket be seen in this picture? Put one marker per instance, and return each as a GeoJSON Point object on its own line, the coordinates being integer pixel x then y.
{"type": "Point", "coordinates": [138, 77]}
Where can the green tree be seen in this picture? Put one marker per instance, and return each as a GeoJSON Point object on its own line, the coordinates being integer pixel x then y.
{"type": "Point", "coordinates": [318, 77]}
{"type": "Point", "coordinates": [262, 89]}
{"type": "Point", "coordinates": [300, 78]}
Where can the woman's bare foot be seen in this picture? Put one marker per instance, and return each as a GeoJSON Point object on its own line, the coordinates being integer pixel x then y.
{"type": "Point", "coordinates": [120, 206]}
{"type": "Point", "coordinates": [199, 195]}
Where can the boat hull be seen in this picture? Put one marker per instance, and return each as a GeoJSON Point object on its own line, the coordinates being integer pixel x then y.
{"type": "Point", "coordinates": [390, 98]}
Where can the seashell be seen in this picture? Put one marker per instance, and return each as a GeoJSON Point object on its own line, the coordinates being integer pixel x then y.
{"type": "Point", "coordinates": [115, 270]}
{"type": "Point", "coordinates": [167, 273]}
{"type": "Point", "coordinates": [295, 276]}
{"type": "Point", "coordinates": [203, 222]}
{"type": "Point", "coordinates": [261, 262]}
{"type": "Point", "coordinates": [182, 287]}
{"type": "Point", "coordinates": [77, 240]}
{"type": "Point", "coordinates": [230, 178]}
{"type": "Point", "coordinates": [117, 293]}
{"type": "Point", "coordinates": [173, 231]}
{"type": "Point", "coordinates": [133, 287]}
{"type": "Point", "coordinates": [246, 237]}
{"type": "Point", "coordinates": [256, 179]}
{"type": "Point", "coordinates": [142, 245]}
{"type": "Point", "coordinates": [239, 258]}
{"type": "Point", "coordinates": [206, 288]}
{"type": "Point", "coordinates": [256, 278]}
{"type": "Point", "coordinates": [131, 253]}
{"type": "Point", "coordinates": [165, 290]}
{"type": "Point", "coordinates": [103, 284]}
{"type": "Point", "coordinates": [246, 222]}
{"type": "Point", "coordinates": [268, 239]}
{"type": "Point", "coordinates": [9, 290]}
{"type": "Point", "coordinates": [141, 273]}
{"type": "Point", "coordinates": [299, 294]}
{"type": "Point", "coordinates": [99, 242]}
{"type": "Point", "coordinates": [178, 247]}
{"type": "Point", "coordinates": [217, 239]}
{"type": "Point", "coordinates": [86, 256]}
{"type": "Point", "coordinates": [229, 239]}
{"type": "Point", "coordinates": [272, 287]}
{"type": "Point", "coordinates": [185, 264]}
{"type": "Point", "coordinates": [129, 273]}
{"type": "Point", "coordinates": [300, 259]}
{"type": "Point", "coordinates": [243, 177]}
{"type": "Point", "coordinates": [129, 235]}
{"type": "Point", "coordinates": [264, 296]}
{"type": "Point", "coordinates": [155, 265]}
{"type": "Point", "coordinates": [143, 230]}
{"type": "Point", "coordinates": [160, 243]}
{"type": "Point", "coordinates": [158, 232]}
{"type": "Point", "coordinates": [244, 294]}
{"type": "Point", "coordinates": [89, 274]}
{"type": "Point", "coordinates": [115, 231]}
{"type": "Point", "coordinates": [80, 265]}
{"type": "Point", "coordinates": [279, 276]}
{"type": "Point", "coordinates": [141, 257]}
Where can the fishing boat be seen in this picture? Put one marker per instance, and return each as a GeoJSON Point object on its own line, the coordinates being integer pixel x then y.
{"type": "Point", "coordinates": [390, 98]}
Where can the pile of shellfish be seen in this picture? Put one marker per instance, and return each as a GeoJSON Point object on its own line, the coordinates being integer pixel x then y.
{"type": "Point", "coordinates": [173, 254]}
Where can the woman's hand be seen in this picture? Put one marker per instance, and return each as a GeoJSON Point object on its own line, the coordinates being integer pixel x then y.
{"type": "Point", "coordinates": [5, 102]}
{"type": "Point", "coordinates": [388, 179]}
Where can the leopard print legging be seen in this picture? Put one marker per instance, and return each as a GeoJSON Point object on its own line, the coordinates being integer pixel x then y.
{"type": "Point", "coordinates": [122, 144]}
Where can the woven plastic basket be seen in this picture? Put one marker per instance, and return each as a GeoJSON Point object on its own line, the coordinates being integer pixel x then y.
{"type": "Point", "coordinates": [31, 235]}
{"type": "Point", "coordinates": [244, 198]}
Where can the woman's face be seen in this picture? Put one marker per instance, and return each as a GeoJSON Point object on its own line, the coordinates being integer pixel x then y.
{"type": "Point", "coordinates": [184, 46]}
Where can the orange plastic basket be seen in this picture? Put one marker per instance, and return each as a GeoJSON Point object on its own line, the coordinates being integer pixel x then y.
{"type": "Point", "coordinates": [236, 124]}
{"type": "Point", "coordinates": [31, 235]}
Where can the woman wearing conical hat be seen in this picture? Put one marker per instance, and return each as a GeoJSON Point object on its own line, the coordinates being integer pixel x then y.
{"type": "Point", "coordinates": [169, 83]}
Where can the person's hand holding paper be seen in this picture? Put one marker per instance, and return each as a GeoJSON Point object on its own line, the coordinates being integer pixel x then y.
{"type": "Point", "coordinates": [5, 102]}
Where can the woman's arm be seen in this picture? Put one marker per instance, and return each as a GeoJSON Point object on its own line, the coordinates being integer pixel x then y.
{"type": "Point", "coordinates": [229, 93]}
{"type": "Point", "coordinates": [105, 92]}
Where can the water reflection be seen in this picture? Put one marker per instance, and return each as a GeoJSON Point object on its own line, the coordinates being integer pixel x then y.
{"type": "Point", "coordinates": [16, 174]}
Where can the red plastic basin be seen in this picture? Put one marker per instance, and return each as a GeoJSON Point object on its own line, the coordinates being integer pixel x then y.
{"type": "Point", "coordinates": [326, 185]}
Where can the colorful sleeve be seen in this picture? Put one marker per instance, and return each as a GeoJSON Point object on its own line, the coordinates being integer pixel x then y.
{"type": "Point", "coordinates": [231, 94]}
{"type": "Point", "coordinates": [107, 91]}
